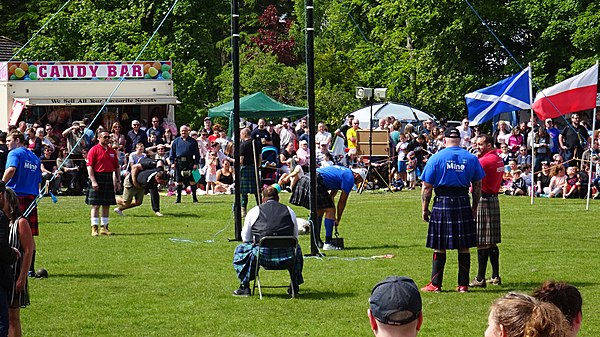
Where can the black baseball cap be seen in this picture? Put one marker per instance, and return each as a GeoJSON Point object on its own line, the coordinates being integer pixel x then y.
{"type": "Point", "coordinates": [394, 298]}
{"type": "Point", "coordinates": [452, 133]}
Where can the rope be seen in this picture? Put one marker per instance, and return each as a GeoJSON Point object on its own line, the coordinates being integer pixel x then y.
{"type": "Point", "coordinates": [40, 195]}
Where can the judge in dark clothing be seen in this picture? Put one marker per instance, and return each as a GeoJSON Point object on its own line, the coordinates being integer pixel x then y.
{"type": "Point", "coordinates": [271, 218]}
{"type": "Point", "coordinates": [184, 158]}
{"type": "Point", "coordinates": [248, 156]}
{"type": "Point", "coordinates": [146, 175]}
{"type": "Point", "coordinates": [261, 136]}
{"type": "Point", "coordinates": [8, 256]}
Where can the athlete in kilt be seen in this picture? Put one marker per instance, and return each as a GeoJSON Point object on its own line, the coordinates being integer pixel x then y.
{"type": "Point", "coordinates": [330, 180]}
{"type": "Point", "coordinates": [488, 212]}
{"type": "Point", "coordinates": [184, 158]}
{"type": "Point", "coordinates": [451, 172]}
{"type": "Point", "coordinates": [23, 175]}
{"type": "Point", "coordinates": [248, 157]}
{"type": "Point", "coordinates": [268, 219]}
{"type": "Point", "coordinates": [103, 171]}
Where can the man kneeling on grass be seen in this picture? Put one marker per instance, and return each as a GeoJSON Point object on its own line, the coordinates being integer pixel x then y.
{"type": "Point", "coordinates": [147, 174]}
{"type": "Point", "coordinates": [395, 308]}
{"type": "Point", "coordinates": [267, 219]}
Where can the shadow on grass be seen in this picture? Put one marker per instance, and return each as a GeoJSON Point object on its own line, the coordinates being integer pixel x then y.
{"type": "Point", "coordinates": [96, 276]}
{"type": "Point", "coordinates": [181, 215]}
{"type": "Point", "coordinates": [522, 287]}
{"type": "Point", "coordinates": [145, 233]}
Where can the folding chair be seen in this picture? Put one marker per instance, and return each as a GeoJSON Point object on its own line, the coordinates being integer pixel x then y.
{"type": "Point", "coordinates": [276, 242]}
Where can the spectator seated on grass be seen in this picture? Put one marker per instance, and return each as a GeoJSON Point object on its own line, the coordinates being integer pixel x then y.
{"type": "Point", "coordinates": [520, 315]}
{"type": "Point", "coordinates": [572, 186]}
{"type": "Point", "coordinates": [557, 182]}
{"type": "Point", "coordinates": [395, 308]}
{"type": "Point", "coordinates": [567, 298]}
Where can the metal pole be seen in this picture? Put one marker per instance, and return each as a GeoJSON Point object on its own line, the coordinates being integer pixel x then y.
{"type": "Point", "coordinates": [235, 60]}
{"type": "Point", "coordinates": [310, 97]}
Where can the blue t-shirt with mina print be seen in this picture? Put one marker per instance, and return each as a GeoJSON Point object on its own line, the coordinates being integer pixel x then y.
{"type": "Point", "coordinates": [337, 178]}
{"type": "Point", "coordinates": [28, 173]}
{"type": "Point", "coordinates": [452, 166]}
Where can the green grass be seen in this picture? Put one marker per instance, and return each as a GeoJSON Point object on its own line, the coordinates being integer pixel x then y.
{"type": "Point", "coordinates": [140, 283]}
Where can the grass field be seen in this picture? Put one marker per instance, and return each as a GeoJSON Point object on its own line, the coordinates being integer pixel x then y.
{"type": "Point", "coordinates": [172, 276]}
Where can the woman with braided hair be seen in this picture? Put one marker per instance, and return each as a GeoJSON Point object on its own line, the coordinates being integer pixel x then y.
{"type": "Point", "coordinates": [520, 315]}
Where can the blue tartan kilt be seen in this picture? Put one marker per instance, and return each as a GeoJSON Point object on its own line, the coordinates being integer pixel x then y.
{"type": "Point", "coordinates": [301, 194]}
{"type": "Point", "coordinates": [244, 261]}
{"type": "Point", "coordinates": [248, 180]}
{"type": "Point", "coordinates": [451, 224]}
{"type": "Point", "coordinates": [105, 195]}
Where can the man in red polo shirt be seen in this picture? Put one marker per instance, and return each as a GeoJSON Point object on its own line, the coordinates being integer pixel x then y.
{"type": "Point", "coordinates": [103, 170]}
{"type": "Point", "coordinates": [488, 213]}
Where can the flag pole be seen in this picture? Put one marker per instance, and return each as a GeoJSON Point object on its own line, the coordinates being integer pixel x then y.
{"type": "Point", "coordinates": [532, 192]}
{"type": "Point", "coordinates": [589, 185]}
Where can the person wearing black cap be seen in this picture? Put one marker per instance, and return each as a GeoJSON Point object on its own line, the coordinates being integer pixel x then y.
{"type": "Point", "coordinates": [395, 307]}
{"type": "Point", "coordinates": [451, 172]}
{"type": "Point", "coordinates": [207, 126]}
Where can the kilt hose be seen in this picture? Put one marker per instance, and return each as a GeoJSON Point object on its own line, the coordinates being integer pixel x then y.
{"type": "Point", "coordinates": [451, 224]}
{"type": "Point", "coordinates": [32, 218]}
{"type": "Point", "coordinates": [248, 180]}
{"type": "Point", "coordinates": [488, 221]}
{"type": "Point", "coordinates": [301, 194]}
{"type": "Point", "coordinates": [105, 195]}
{"type": "Point", "coordinates": [244, 261]}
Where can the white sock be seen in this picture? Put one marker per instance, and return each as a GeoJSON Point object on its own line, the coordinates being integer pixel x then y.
{"type": "Point", "coordinates": [104, 221]}
{"type": "Point", "coordinates": [94, 221]}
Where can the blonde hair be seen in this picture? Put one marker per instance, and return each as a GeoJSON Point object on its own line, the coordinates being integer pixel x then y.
{"type": "Point", "coordinates": [521, 315]}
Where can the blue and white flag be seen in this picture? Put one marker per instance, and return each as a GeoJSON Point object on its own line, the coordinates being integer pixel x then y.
{"type": "Point", "coordinates": [510, 94]}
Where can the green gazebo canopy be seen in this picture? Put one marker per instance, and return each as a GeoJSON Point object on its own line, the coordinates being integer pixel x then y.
{"type": "Point", "coordinates": [257, 105]}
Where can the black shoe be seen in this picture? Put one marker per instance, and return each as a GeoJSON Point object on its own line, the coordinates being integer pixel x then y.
{"type": "Point", "coordinates": [178, 201]}
{"type": "Point", "coordinates": [195, 201]}
{"type": "Point", "coordinates": [296, 290]}
{"type": "Point", "coordinates": [242, 292]}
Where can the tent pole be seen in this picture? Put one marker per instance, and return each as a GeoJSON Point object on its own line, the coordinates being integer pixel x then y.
{"type": "Point", "coordinates": [235, 60]}
{"type": "Point", "coordinates": [312, 125]}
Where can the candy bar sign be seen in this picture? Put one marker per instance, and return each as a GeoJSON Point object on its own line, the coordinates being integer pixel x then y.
{"type": "Point", "coordinates": [90, 70]}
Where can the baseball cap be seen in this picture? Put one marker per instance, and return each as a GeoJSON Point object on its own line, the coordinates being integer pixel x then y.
{"type": "Point", "coordinates": [303, 142]}
{"type": "Point", "coordinates": [324, 143]}
{"type": "Point", "coordinates": [548, 119]}
{"type": "Point", "coordinates": [361, 172]}
{"type": "Point", "coordinates": [394, 298]}
{"type": "Point", "coordinates": [452, 133]}
{"type": "Point", "coordinates": [206, 118]}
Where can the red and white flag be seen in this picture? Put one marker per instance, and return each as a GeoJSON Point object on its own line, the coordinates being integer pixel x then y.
{"type": "Point", "coordinates": [574, 94]}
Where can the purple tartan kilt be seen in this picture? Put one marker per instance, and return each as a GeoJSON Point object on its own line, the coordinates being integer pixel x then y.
{"type": "Point", "coordinates": [488, 221]}
{"type": "Point", "coordinates": [301, 194]}
{"type": "Point", "coordinates": [451, 224]}
{"type": "Point", "coordinates": [105, 195]}
{"type": "Point", "coordinates": [248, 181]}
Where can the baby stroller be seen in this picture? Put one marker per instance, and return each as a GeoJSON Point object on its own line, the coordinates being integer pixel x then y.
{"type": "Point", "coordinates": [269, 166]}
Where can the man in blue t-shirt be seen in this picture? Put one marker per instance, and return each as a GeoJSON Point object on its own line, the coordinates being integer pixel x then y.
{"type": "Point", "coordinates": [330, 180]}
{"type": "Point", "coordinates": [451, 172]}
{"type": "Point", "coordinates": [24, 174]}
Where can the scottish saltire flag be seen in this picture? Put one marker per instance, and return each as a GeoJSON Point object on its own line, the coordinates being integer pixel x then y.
{"type": "Point", "coordinates": [510, 94]}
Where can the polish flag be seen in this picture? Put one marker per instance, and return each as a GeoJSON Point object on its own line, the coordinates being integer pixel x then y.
{"type": "Point", "coordinates": [571, 95]}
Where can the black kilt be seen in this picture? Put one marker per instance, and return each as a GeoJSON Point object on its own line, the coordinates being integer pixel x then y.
{"type": "Point", "coordinates": [488, 221]}
{"type": "Point", "coordinates": [301, 194]}
{"type": "Point", "coordinates": [184, 164]}
{"type": "Point", "coordinates": [248, 180]}
{"type": "Point", "coordinates": [105, 195]}
{"type": "Point", "coordinates": [451, 224]}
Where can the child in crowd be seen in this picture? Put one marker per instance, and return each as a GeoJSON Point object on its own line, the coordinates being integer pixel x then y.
{"type": "Point", "coordinates": [402, 150]}
{"type": "Point", "coordinates": [572, 185]}
{"type": "Point", "coordinates": [327, 161]}
{"type": "Point", "coordinates": [557, 183]}
{"type": "Point", "coordinates": [518, 187]}
{"type": "Point", "coordinates": [527, 176]}
{"type": "Point", "coordinates": [411, 170]}
{"type": "Point", "coordinates": [135, 156]}
{"type": "Point", "coordinates": [211, 172]}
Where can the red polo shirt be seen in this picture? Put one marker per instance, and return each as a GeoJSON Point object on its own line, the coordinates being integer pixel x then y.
{"type": "Point", "coordinates": [103, 160]}
{"type": "Point", "coordinates": [493, 166]}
